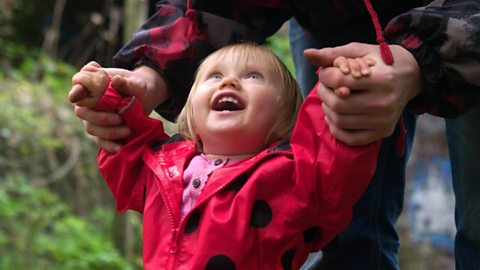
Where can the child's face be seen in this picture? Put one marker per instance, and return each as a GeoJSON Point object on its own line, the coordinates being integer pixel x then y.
{"type": "Point", "coordinates": [235, 106]}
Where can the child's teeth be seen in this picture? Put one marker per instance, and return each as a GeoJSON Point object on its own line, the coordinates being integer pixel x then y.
{"type": "Point", "coordinates": [229, 99]}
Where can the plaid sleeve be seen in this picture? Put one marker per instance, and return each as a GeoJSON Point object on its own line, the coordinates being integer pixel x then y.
{"type": "Point", "coordinates": [444, 37]}
{"type": "Point", "coordinates": [176, 38]}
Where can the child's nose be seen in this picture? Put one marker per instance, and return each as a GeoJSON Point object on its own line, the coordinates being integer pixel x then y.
{"type": "Point", "coordinates": [229, 82]}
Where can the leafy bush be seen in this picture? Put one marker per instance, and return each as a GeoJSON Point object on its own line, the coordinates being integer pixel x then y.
{"type": "Point", "coordinates": [55, 211]}
{"type": "Point", "coordinates": [40, 232]}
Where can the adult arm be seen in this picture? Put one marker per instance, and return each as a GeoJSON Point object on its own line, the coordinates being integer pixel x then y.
{"type": "Point", "coordinates": [177, 37]}
{"type": "Point", "coordinates": [442, 39]}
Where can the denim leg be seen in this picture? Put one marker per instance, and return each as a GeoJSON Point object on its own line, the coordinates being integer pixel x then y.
{"type": "Point", "coordinates": [370, 242]}
{"type": "Point", "coordinates": [463, 135]}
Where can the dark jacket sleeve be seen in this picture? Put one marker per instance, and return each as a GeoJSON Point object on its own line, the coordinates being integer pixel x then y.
{"type": "Point", "coordinates": [444, 37]}
{"type": "Point", "coordinates": [176, 38]}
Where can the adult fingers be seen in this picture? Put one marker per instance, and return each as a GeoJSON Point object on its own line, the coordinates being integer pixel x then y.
{"type": "Point", "coordinates": [342, 100]}
{"type": "Point", "coordinates": [108, 145]}
{"type": "Point", "coordinates": [107, 132]}
{"type": "Point", "coordinates": [105, 127]}
{"type": "Point", "coordinates": [325, 57]}
{"type": "Point", "coordinates": [97, 117]}
{"type": "Point", "coordinates": [353, 137]}
{"type": "Point", "coordinates": [359, 121]}
{"type": "Point", "coordinates": [118, 71]}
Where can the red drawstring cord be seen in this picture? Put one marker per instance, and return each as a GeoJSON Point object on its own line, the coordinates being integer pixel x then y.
{"type": "Point", "coordinates": [387, 57]}
{"type": "Point", "coordinates": [385, 51]}
{"type": "Point", "coordinates": [189, 13]}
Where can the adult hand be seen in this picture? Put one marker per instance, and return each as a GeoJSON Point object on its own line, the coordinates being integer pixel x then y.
{"type": "Point", "coordinates": [375, 103]}
{"type": "Point", "coordinates": [107, 128]}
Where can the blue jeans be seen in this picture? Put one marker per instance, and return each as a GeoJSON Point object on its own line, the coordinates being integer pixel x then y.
{"type": "Point", "coordinates": [463, 136]}
{"type": "Point", "coordinates": [371, 242]}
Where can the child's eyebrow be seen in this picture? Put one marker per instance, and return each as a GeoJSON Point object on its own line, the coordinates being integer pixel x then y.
{"type": "Point", "coordinates": [257, 66]}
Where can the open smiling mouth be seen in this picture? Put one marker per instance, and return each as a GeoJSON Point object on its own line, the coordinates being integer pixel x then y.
{"type": "Point", "coordinates": [228, 103]}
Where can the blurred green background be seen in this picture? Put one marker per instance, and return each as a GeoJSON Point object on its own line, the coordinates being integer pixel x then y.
{"type": "Point", "coordinates": [55, 210]}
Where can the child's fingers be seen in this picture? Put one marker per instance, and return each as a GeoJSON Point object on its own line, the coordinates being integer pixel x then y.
{"type": "Point", "coordinates": [355, 68]}
{"type": "Point", "coordinates": [77, 93]}
{"type": "Point", "coordinates": [91, 66]}
{"type": "Point", "coordinates": [364, 67]}
{"type": "Point", "coordinates": [342, 64]}
{"type": "Point", "coordinates": [366, 63]}
{"type": "Point", "coordinates": [94, 82]}
{"type": "Point", "coordinates": [370, 61]}
{"type": "Point", "coordinates": [342, 91]}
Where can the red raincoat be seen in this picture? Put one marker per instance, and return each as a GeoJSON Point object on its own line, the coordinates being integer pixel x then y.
{"type": "Point", "coordinates": [266, 212]}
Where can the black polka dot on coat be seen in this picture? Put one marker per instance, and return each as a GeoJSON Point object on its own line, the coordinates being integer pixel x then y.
{"type": "Point", "coordinates": [220, 262]}
{"type": "Point", "coordinates": [193, 221]}
{"type": "Point", "coordinates": [310, 235]}
{"type": "Point", "coordinates": [287, 258]}
{"type": "Point", "coordinates": [261, 214]}
{"type": "Point", "coordinates": [238, 183]}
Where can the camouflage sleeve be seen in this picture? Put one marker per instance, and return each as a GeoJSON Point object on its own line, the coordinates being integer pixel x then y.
{"type": "Point", "coordinates": [176, 38]}
{"type": "Point", "coordinates": [444, 37]}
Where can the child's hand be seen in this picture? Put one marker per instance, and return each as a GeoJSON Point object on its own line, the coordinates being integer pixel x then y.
{"type": "Point", "coordinates": [356, 67]}
{"type": "Point", "coordinates": [88, 85]}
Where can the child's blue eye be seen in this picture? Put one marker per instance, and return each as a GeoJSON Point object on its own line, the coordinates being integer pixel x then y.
{"type": "Point", "coordinates": [215, 76]}
{"type": "Point", "coordinates": [254, 75]}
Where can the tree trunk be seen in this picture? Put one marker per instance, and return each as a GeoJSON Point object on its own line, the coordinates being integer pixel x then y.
{"type": "Point", "coordinates": [50, 43]}
{"type": "Point", "coordinates": [135, 13]}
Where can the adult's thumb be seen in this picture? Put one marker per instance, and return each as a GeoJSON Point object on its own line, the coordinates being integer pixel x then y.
{"type": "Point", "coordinates": [317, 57]}
{"type": "Point", "coordinates": [325, 57]}
{"type": "Point", "coordinates": [126, 86]}
{"type": "Point", "coordinates": [120, 84]}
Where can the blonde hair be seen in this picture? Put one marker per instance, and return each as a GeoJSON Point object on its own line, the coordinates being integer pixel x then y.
{"type": "Point", "coordinates": [290, 98]}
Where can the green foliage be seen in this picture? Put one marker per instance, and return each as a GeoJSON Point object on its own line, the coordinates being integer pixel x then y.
{"type": "Point", "coordinates": [40, 232]}
{"type": "Point", "coordinates": [280, 44]}
{"type": "Point", "coordinates": [20, 63]}
{"type": "Point", "coordinates": [55, 211]}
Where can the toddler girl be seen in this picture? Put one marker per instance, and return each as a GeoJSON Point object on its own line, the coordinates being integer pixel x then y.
{"type": "Point", "coordinates": [247, 183]}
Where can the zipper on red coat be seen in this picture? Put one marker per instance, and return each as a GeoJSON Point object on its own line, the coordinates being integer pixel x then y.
{"type": "Point", "coordinates": [173, 245]}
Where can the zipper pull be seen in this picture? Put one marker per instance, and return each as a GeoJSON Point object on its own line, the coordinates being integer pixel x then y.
{"type": "Point", "coordinates": [173, 242]}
